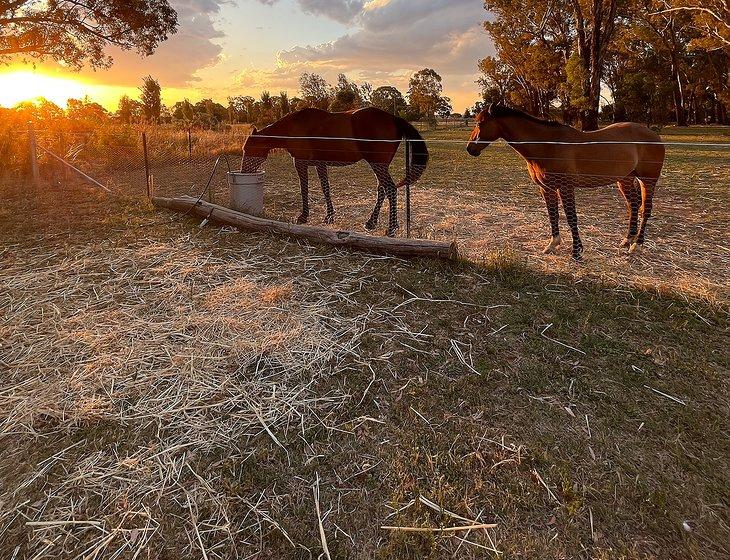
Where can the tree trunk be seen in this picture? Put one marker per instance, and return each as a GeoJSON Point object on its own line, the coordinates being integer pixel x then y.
{"type": "Point", "coordinates": [588, 120]}
{"type": "Point", "coordinates": [678, 93]}
{"type": "Point", "coordinates": [721, 113]}
{"type": "Point", "coordinates": [680, 114]}
{"type": "Point", "coordinates": [589, 115]}
{"type": "Point", "coordinates": [595, 74]}
{"type": "Point", "coordinates": [692, 112]}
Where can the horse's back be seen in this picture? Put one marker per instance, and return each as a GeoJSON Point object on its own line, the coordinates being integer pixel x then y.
{"type": "Point", "coordinates": [626, 131]}
{"type": "Point", "coordinates": [368, 122]}
{"type": "Point", "coordinates": [312, 122]}
{"type": "Point", "coordinates": [374, 123]}
{"type": "Point", "coordinates": [603, 156]}
{"type": "Point", "coordinates": [646, 144]}
{"type": "Point", "coordinates": [343, 137]}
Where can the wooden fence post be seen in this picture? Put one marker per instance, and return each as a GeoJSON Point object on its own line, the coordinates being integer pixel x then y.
{"type": "Point", "coordinates": [62, 152]}
{"type": "Point", "coordinates": [33, 154]}
{"type": "Point", "coordinates": [146, 164]}
{"type": "Point", "coordinates": [190, 144]}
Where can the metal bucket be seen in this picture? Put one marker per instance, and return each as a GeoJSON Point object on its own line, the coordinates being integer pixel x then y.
{"type": "Point", "coordinates": [247, 192]}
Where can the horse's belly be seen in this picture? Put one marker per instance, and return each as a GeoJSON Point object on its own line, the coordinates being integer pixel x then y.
{"type": "Point", "coordinates": [327, 152]}
{"type": "Point", "coordinates": [582, 179]}
{"type": "Point", "coordinates": [605, 166]}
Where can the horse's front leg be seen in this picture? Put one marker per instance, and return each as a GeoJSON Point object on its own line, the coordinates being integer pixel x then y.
{"type": "Point", "coordinates": [567, 195]}
{"type": "Point", "coordinates": [303, 172]}
{"type": "Point", "coordinates": [551, 201]}
{"type": "Point", "coordinates": [325, 182]}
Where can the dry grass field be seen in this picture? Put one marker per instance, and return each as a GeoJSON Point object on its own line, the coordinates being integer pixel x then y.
{"type": "Point", "coordinates": [171, 391]}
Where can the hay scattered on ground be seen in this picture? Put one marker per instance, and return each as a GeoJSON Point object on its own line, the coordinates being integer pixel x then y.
{"type": "Point", "coordinates": [183, 357]}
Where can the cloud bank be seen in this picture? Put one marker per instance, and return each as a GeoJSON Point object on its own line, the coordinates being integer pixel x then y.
{"type": "Point", "coordinates": [390, 39]}
{"type": "Point", "coordinates": [177, 60]}
{"type": "Point", "coordinates": [343, 11]}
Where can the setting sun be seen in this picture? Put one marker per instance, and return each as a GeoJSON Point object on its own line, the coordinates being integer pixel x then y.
{"type": "Point", "coordinates": [18, 86]}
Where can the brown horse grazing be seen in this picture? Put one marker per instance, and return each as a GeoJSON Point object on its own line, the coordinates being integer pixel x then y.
{"type": "Point", "coordinates": [560, 158]}
{"type": "Point", "coordinates": [316, 138]}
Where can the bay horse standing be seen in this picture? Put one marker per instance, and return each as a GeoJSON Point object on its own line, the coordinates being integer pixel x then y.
{"type": "Point", "coordinates": [320, 139]}
{"type": "Point", "coordinates": [560, 158]}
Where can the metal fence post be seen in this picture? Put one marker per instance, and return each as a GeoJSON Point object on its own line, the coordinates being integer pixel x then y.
{"type": "Point", "coordinates": [146, 164]}
{"type": "Point", "coordinates": [33, 154]}
{"type": "Point", "coordinates": [408, 189]}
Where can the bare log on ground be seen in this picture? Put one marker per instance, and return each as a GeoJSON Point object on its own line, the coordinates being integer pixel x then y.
{"type": "Point", "coordinates": [407, 248]}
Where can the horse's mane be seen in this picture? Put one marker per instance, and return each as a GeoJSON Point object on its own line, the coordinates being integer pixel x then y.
{"type": "Point", "coordinates": [497, 111]}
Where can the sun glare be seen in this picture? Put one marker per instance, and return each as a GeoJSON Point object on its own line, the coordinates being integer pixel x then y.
{"type": "Point", "coordinates": [18, 86]}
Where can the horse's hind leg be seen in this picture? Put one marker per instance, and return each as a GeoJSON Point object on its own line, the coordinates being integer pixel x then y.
{"type": "Point", "coordinates": [372, 222]}
{"type": "Point", "coordinates": [630, 191]}
{"type": "Point", "coordinates": [325, 181]}
{"type": "Point", "coordinates": [647, 191]}
{"type": "Point", "coordinates": [302, 171]}
{"type": "Point", "coordinates": [391, 191]}
{"type": "Point", "coordinates": [551, 201]}
{"type": "Point", "coordinates": [386, 187]}
{"type": "Point", "coordinates": [567, 195]}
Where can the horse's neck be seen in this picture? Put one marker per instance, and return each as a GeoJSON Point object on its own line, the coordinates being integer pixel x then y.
{"type": "Point", "coordinates": [530, 139]}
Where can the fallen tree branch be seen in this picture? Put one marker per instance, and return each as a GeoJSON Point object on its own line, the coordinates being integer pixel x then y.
{"type": "Point", "coordinates": [407, 248]}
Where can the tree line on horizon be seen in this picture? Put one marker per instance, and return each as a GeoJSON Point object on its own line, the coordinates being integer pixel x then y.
{"type": "Point", "coordinates": [661, 60]}
{"type": "Point", "coordinates": [425, 100]}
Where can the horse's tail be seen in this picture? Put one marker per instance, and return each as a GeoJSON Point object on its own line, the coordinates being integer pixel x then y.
{"type": "Point", "coordinates": [418, 151]}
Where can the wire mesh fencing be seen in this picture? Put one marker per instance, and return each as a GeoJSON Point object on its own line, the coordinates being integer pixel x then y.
{"type": "Point", "coordinates": [488, 203]}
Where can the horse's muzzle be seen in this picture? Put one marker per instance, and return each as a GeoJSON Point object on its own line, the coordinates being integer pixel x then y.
{"type": "Point", "coordinates": [473, 149]}
{"type": "Point", "coordinates": [251, 164]}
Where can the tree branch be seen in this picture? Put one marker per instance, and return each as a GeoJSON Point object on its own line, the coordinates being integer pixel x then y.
{"type": "Point", "coordinates": [84, 28]}
{"type": "Point", "coordinates": [692, 9]}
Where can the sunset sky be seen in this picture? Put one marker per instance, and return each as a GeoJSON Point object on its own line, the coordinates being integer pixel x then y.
{"type": "Point", "coordinates": [242, 47]}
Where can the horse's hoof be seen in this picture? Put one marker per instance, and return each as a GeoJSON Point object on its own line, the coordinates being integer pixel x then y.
{"type": "Point", "coordinates": [625, 243]}
{"type": "Point", "coordinates": [391, 232]}
{"type": "Point", "coordinates": [330, 219]}
{"type": "Point", "coordinates": [635, 247]}
{"type": "Point", "coordinates": [553, 246]}
{"type": "Point", "coordinates": [302, 219]}
{"type": "Point", "coordinates": [370, 226]}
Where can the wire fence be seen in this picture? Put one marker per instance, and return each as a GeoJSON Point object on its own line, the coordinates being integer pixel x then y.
{"type": "Point", "coordinates": [486, 203]}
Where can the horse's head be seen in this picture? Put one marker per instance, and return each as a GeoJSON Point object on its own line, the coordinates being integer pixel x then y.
{"type": "Point", "coordinates": [255, 152]}
{"type": "Point", "coordinates": [485, 132]}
